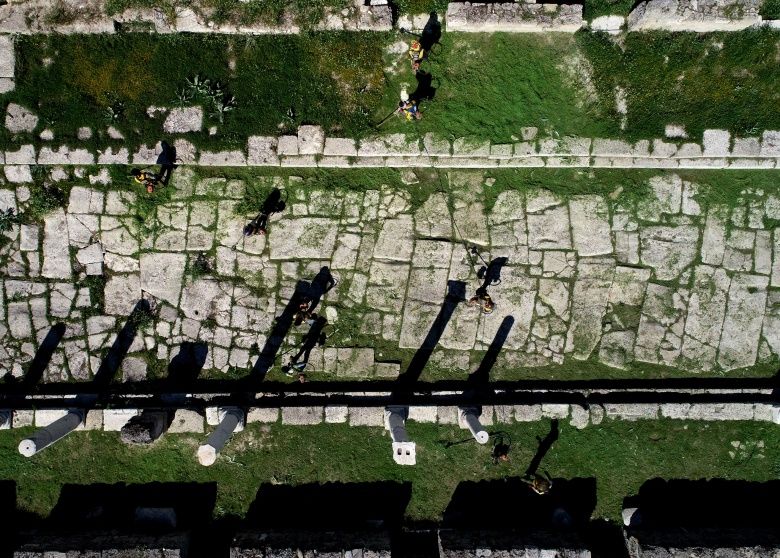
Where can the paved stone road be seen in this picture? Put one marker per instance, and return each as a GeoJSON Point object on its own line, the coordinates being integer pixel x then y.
{"type": "Point", "coordinates": [664, 281]}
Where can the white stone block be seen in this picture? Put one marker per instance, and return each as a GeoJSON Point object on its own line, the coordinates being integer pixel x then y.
{"type": "Point", "coordinates": [115, 419]}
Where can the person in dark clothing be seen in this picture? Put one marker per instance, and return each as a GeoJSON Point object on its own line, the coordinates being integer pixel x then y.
{"type": "Point", "coordinates": [482, 298]}
{"type": "Point", "coordinates": [273, 204]}
{"type": "Point", "coordinates": [304, 310]}
{"type": "Point", "coordinates": [315, 336]}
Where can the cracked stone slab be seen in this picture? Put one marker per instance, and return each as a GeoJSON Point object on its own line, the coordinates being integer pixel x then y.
{"type": "Point", "coordinates": [668, 250]}
{"type": "Point", "coordinates": [308, 238]}
{"type": "Point", "coordinates": [589, 304]}
{"type": "Point", "coordinates": [162, 274]}
{"type": "Point", "coordinates": [590, 225]}
{"type": "Point", "coordinates": [742, 323]}
{"type": "Point", "coordinates": [56, 256]}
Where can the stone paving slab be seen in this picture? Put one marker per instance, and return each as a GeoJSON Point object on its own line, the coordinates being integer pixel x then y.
{"type": "Point", "coordinates": [668, 280]}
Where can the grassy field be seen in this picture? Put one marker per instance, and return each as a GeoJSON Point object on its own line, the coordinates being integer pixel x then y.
{"type": "Point", "coordinates": [487, 86]}
{"type": "Point", "coordinates": [619, 455]}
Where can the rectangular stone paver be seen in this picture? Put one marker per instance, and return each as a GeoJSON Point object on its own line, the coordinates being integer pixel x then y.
{"type": "Point", "coordinates": [589, 302]}
{"type": "Point", "coordinates": [742, 324]}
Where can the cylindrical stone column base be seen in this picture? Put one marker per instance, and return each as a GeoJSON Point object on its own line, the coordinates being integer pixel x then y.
{"type": "Point", "coordinates": [469, 418]}
{"type": "Point", "coordinates": [47, 435]}
{"type": "Point", "coordinates": [232, 419]}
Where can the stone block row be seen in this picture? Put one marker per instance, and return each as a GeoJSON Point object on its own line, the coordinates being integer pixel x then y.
{"type": "Point", "coordinates": [187, 420]}
{"type": "Point", "coordinates": [311, 148]}
{"type": "Point", "coordinates": [35, 16]}
{"type": "Point", "coordinates": [513, 17]}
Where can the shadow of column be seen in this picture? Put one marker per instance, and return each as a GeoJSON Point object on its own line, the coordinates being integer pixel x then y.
{"type": "Point", "coordinates": [456, 293]}
{"type": "Point", "coordinates": [282, 326]}
{"type": "Point", "coordinates": [116, 354]}
{"type": "Point", "coordinates": [43, 356]}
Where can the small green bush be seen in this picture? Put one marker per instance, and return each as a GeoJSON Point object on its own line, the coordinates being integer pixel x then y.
{"type": "Point", "coordinates": [770, 9]}
{"type": "Point", "coordinates": [597, 8]}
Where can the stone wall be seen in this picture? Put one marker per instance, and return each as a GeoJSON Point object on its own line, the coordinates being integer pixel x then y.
{"type": "Point", "coordinates": [694, 15]}
{"type": "Point", "coordinates": [513, 17]}
{"type": "Point", "coordinates": [36, 16]}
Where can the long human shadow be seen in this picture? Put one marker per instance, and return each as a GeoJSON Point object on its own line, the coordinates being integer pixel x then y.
{"type": "Point", "coordinates": [282, 325]}
{"type": "Point", "coordinates": [43, 356]}
{"type": "Point", "coordinates": [315, 336]}
{"type": "Point", "coordinates": [320, 285]}
{"type": "Point", "coordinates": [116, 354]}
{"type": "Point", "coordinates": [544, 446]}
{"type": "Point", "coordinates": [456, 293]}
{"type": "Point", "coordinates": [491, 273]}
{"type": "Point", "coordinates": [431, 33]}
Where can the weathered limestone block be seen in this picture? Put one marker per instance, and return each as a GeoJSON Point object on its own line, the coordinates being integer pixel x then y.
{"type": "Point", "coordinates": [668, 250]}
{"type": "Point", "coordinates": [742, 324]}
{"type": "Point", "coordinates": [19, 119]}
{"type": "Point", "coordinates": [261, 151]}
{"type": "Point", "coordinates": [181, 120]}
{"type": "Point", "coordinates": [311, 140]}
{"type": "Point", "coordinates": [590, 225]}
{"type": "Point", "coordinates": [512, 17]}
{"type": "Point", "coordinates": [690, 15]}
{"type": "Point", "coordinates": [589, 303]}
{"type": "Point", "coordinates": [56, 256]}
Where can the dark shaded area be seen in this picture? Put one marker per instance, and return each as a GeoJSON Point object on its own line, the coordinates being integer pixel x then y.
{"type": "Point", "coordinates": [431, 33]}
{"type": "Point", "coordinates": [544, 446]}
{"type": "Point", "coordinates": [167, 161]}
{"type": "Point", "coordinates": [186, 366]}
{"type": "Point", "coordinates": [480, 378]}
{"type": "Point", "coordinates": [43, 356]}
{"type": "Point", "coordinates": [510, 503]}
{"type": "Point", "coordinates": [315, 336]}
{"type": "Point", "coordinates": [282, 325]}
{"type": "Point", "coordinates": [330, 505]}
{"type": "Point", "coordinates": [10, 517]}
{"type": "Point", "coordinates": [456, 293]}
{"type": "Point", "coordinates": [711, 514]}
{"type": "Point", "coordinates": [321, 284]}
{"type": "Point", "coordinates": [114, 505]}
{"type": "Point", "coordinates": [425, 91]}
{"type": "Point", "coordinates": [116, 354]}
{"type": "Point", "coordinates": [706, 503]}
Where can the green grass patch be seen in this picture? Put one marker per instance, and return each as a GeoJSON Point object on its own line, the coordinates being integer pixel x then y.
{"type": "Point", "coordinates": [619, 455]}
{"type": "Point", "coordinates": [770, 9]}
{"type": "Point", "coordinates": [280, 82]}
{"type": "Point", "coordinates": [490, 85]}
{"type": "Point", "coordinates": [597, 8]}
{"type": "Point", "coordinates": [486, 85]}
{"type": "Point", "coordinates": [718, 80]}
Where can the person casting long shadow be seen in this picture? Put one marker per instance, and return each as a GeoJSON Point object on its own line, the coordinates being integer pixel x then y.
{"type": "Point", "coordinates": [431, 33]}
{"type": "Point", "coordinates": [167, 161]}
{"type": "Point", "coordinates": [273, 204]}
{"type": "Point", "coordinates": [544, 446]}
{"type": "Point", "coordinates": [320, 285]}
{"type": "Point", "coordinates": [315, 336]}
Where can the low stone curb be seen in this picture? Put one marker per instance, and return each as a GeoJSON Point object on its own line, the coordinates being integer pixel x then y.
{"type": "Point", "coordinates": [310, 148]}
{"type": "Point", "coordinates": [190, 421]}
